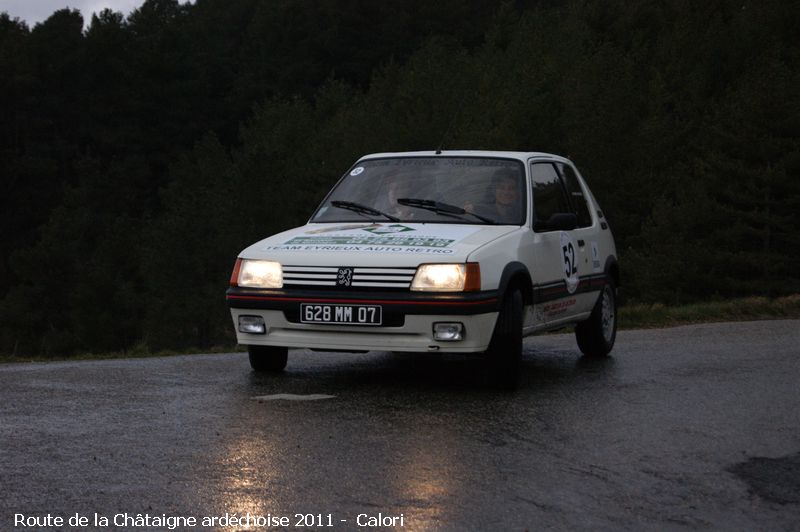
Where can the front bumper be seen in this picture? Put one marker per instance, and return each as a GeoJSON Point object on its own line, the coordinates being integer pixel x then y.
{"type": "Point", "coordinates": [408, 320]}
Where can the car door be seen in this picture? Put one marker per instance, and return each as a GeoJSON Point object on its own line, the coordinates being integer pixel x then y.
{"type": "Point", "coordinates": [557, 261]}
{"type": "Point", "coordinates": [591, 249]}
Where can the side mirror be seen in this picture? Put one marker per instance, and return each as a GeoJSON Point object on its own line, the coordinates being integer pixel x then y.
{"type": "Point", "coordinates": [560, 221]}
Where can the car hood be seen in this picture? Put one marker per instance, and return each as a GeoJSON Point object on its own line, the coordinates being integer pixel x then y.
{"type": "Point", "coordinates": [375, 244]}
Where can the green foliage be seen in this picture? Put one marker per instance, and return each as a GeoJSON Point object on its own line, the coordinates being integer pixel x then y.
{"type": "Point", "coordinates": [84, 264]}
{"type": "Point", "coordinates": [141, 155]}
{"type": "Point", "coordinates": [187, 251]}
{"type": "Point", "coordinates": [639, 315]}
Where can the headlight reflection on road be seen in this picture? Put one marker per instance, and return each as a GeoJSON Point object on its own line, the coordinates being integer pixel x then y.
{"type": "Point", "coordinates": [247, 482]}
{"type": "Point", "coordinates": [419, 479]}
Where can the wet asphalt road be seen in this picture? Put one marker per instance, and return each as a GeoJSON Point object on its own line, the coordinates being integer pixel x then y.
{"type": "Point", "coordinates": [683, 428]}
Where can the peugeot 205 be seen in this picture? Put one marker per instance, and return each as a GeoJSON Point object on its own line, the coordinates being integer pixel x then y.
{"type": "Point", "coordinates": [454, 252]}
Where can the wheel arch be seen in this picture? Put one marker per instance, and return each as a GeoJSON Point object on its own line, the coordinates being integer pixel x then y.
{"type": "Point", "coordinates": [516, 275]}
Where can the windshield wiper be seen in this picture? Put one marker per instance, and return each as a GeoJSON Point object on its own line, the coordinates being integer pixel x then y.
{"type": "Point", "coordinates": [441, 208]}
{"type": "Point", "coordinates": [362, 209]}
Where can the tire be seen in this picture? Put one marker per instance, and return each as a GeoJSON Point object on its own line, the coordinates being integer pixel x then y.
{"type": "Point", "coordinates": [267, 358]}
{"type": "Point", "coordinates": [505, 348]}
{"type": "Point", "coordinates": [597, 334]}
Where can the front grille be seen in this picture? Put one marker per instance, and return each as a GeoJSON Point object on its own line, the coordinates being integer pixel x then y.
{"type": "Point", "coordinates": [361, 278]}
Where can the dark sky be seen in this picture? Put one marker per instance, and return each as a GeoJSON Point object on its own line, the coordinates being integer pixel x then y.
{"type": "Point", "coordinates": [33, 11]}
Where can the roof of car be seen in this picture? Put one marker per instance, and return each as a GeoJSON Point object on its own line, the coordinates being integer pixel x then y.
{"type": "Point", "coordinates": [521, 155]}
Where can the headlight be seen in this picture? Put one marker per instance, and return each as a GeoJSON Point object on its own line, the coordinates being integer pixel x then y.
{"type": "Point", "coordinates": [260, 274]}
{"type": "Point", "coordinates": [447, 277]}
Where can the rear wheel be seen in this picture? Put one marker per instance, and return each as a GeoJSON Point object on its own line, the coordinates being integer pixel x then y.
{"type": "Point", "coordinates": [505, 349]}
{"type": "Point", "coordinates": [267, 357]}
{"type": "Point", "coordinates": [596, 335]}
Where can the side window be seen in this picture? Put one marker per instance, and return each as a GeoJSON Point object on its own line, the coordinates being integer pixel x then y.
{"type": "Point", "coordinates": [575, 193]}
{"type": "Point", "coordinates": [548, 193]}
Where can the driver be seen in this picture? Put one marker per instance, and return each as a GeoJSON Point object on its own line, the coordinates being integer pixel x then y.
{"type": "Point", "coordinates": [506, 207]}
{"type": "Point", "coordinates": [506, 196]}
{"type": "Point", "coordinates": [398, 187]}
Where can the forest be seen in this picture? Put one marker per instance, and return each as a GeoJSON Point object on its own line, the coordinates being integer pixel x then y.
{"type": "Point", "coordinates": [140, 152]}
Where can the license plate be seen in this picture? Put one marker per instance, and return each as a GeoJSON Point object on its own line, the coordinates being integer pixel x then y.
{"type": "Point", "coordinates": [341, 314]}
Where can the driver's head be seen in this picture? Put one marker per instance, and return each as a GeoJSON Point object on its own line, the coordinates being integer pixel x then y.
{"type": "Point", "coordinates": [397, 186]}
{"type": "Point", "coordinates": [506, 186]}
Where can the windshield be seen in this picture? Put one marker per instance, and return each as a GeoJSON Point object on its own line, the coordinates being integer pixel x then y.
{"type": "Point", "coordinates": [441, 189]}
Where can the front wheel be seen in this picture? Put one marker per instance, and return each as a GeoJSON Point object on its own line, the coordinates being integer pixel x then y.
{"type": "Point", "coordinates": [505, 348]}
{"type": "Point", "coordinates": [596, 335]}
{"type": "Point", "coordinates": [267, 357]}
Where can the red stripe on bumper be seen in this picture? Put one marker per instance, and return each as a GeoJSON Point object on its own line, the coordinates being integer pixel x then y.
{"type": "Point", "coordinates": [364, 301]}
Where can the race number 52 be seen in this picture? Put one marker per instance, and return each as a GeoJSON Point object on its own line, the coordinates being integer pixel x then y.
{"type": "Point", "coordinates": [569, 259]}
{"type": "Point", "coordinates": [570, 262]}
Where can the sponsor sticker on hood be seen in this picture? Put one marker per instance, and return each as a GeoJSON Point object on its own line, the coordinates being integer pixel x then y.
{"type": "Point", "coordinates": [377, 238]}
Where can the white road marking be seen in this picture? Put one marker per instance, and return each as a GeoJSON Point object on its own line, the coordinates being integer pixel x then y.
{"type": "Point", "coordinates": [291, 397]}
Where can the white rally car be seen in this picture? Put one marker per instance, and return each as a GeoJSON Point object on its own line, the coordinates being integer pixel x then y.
{"type": "Point", "coordinates": [458, 252]}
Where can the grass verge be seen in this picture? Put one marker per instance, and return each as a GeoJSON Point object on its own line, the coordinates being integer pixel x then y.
{"type": "Point", "coordinates": [138, 351]}
{"type": "Point", "coordinates": [643, 316]}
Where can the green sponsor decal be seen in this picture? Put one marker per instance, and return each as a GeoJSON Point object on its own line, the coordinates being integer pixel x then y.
{"type": "Point", "coordinates": [371, 241]}
{"type": "Point", "coordinates": [394, 228]}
